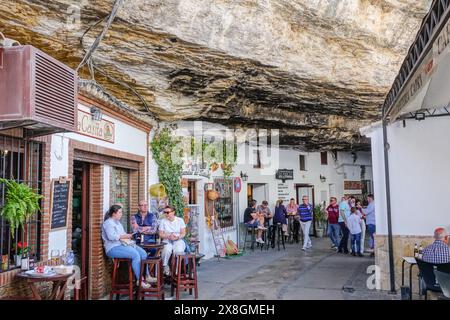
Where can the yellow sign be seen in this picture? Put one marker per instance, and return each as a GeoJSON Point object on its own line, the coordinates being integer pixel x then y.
{"type": "Point", "coordinates": [103, 129]}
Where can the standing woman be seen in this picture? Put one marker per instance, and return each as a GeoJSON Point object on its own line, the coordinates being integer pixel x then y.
{"type": "Point", "coordinates": [280, 215]}
{"type": "Point", "coordinates": [361, 214]}
{"type": "Point", "coordinates": [117, 242]}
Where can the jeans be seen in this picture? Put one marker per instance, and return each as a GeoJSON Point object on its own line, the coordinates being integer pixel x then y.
{"type": "Point", "coordinates": [356, 243]}
{"type": "Point", "coordinates": [371, 229]}
{"type": "Point", "coordinates": [305, 228]}
{"type": "Point", "coordinates": [177, 247]}
{"type": "Point", "coordinates": [333, 233]}
{"type": "Point", "coordinates": [136, 254]}
{"type": "Point", "coordinates": [343, 245]}
{"type": "Point", "coordinates": [253, 225]}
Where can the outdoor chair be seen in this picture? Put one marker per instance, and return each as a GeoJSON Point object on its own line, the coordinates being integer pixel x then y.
{"type": "Point", "coordinates": [121, 288]}
{"type": "Point", "coordinates": [156, 289]}
{"type": "Point", "coordinates": [444, 282]}
{"type": "Point", "coordinates": [427, 279]}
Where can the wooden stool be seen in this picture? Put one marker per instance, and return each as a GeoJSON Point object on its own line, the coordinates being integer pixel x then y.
{"type": "Point", "coordinates": [184, 274]}
{"type": "Point", "coordinates": [278, 236]}
{"type": "Point", "coordinates": [121, 288]}
{"type": "Point", "coordinates": [155, 268]}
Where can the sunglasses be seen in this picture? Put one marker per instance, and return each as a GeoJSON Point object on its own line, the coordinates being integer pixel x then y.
{"type": "Point", "coordinates": [167, 212]}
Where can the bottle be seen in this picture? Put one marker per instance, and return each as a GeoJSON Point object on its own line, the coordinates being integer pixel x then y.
{"type": "Point", "coordinates": [416, 251]}
{"type": "Point", "coordinates": [70, 259]}
{"type": "Point", "coordinates": [420, 252]}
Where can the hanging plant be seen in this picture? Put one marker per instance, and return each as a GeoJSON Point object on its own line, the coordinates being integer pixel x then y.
{"type": "Point", "coordinates": [169, 172]}
{"type": "Point", "coordinates": [20, 204]}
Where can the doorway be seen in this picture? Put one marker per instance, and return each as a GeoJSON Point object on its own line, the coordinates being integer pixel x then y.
{"type": "Point", "coordinates": [257, 191]}
{"type": "Point", "coordinates": [306, 190]}
{"type": "Point", "coordinates": [80, 216]}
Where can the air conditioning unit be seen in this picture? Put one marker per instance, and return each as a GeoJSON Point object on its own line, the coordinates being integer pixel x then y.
{"type": "Point", "coordinates": [37, 92]}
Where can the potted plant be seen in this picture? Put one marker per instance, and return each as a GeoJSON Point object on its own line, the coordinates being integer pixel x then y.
{"type": "Point", "coordinates": [320, 219]}
{"type": "Point", "coordinates": [21, 203]}
{"type": "Point", "coordinates": [21, 249]}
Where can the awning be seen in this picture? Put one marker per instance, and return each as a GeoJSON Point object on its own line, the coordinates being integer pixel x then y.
{"type": "Point", "coordinates": [438, 93]}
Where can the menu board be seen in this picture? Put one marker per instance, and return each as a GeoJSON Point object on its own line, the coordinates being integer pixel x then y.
{"type": "Point", "coordinates": [219, 240]}
{"type": "Point", "coordinates": [59, 203]}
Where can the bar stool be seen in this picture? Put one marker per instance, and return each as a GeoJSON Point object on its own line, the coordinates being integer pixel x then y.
{"type": "Point", "coordinates": [266, 238]}
{"type": "Point", "coordinates": [184, 274]}
{"type": "Point", "coordinates": [252, 231]}
{"type": "Point", "coordinates": [156, 289]}
{"type": "Point", "coordinates": [278, 236]}
{"type": "Point", "coordinates": [121, 288]}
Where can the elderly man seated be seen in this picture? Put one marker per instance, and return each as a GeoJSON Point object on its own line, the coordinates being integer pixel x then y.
{"type": "Point", "coordinates": [171, 231]}
{"type": "Point", "coordinates": [438, 252]}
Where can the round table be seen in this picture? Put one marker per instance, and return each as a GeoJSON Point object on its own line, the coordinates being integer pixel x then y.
{"type": "Point", "coordinates": [59, 284]}
{"type": "Point", "coordinates": [157, 246]}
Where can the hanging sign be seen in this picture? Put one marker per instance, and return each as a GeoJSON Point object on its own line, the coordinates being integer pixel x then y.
{"type": "Point", "coordinates": [237, 184]}
{"type": "Point", "coordinates": [103, 129]}
{"type": "Point", "coordinates": [285, 174]}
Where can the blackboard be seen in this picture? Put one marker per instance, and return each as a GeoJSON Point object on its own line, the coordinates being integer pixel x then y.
{"type": "Point", "coordinates": [59, 204]}
{"type": "Point", "coordinates": [285, 174]}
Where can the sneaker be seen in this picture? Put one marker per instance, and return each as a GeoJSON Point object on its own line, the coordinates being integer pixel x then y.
{"type": "Point", "coordinates": [303, 248]}
{"type": "Point", "coordinates": [166, 271]}
{"type": "Point", "coordinates": [259, 240]}
{"type": "Point", "coordinates": [150, 279]}
{"type": "Point", "coordinates": [262, 228]}
{"type": "Point", "coordinates": [360, 254]}
{"type": "Point", "coordinates": [145, 285]}
{"type": "Point", "coordinates": [354, 254]}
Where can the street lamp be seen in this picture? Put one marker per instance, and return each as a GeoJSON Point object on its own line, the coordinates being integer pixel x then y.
{"type": "Point", "coordinates": [323, 178]}
{"type": "Point", "coordinates": [96, 114]}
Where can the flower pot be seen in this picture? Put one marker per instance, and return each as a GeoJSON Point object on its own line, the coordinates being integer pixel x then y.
{"type": "Point", "coordinates": [320, 232]}
{"type": "Point", "coordinates": [18, 260]}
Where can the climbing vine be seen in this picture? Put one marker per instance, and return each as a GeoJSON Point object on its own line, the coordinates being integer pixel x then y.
{"type": "Point", "coordinates": [163, 145]}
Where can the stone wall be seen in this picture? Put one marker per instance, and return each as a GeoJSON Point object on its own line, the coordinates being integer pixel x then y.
{"type": "Point", "coordinates": [403, 246]}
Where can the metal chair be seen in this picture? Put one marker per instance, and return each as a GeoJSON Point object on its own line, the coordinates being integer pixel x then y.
{"type": "Point", "coordinates": [444, 282]}
{"type": "Point", "coordinates": [427, 279]}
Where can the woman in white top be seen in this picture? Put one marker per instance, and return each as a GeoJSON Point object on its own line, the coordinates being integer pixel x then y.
{"type": "Point", "coordinates": [171, 231]}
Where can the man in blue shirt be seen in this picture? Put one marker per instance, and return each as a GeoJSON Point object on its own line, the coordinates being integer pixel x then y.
{"type": "Point", "coordinates": [305, 212]}
{"type": "Point", "coordinates": [370, 220]}
{"type": "Point", "coordinates": [344, 214]}
{"type": "Point", "coordinates": [144, 224]}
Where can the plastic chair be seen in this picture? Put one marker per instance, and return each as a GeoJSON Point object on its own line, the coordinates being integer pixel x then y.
{"type": "Point", "coordinates": [427, 279]}
{"type": "Point", "coordinates": [444, 282]}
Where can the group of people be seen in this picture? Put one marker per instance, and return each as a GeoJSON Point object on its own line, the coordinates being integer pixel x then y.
{"type": "Point", "coordinates": [146, 228]}
{"type": "Point", "coordinates": [261, 217]}
{"type": "Point", "coordinates": [349, 219]}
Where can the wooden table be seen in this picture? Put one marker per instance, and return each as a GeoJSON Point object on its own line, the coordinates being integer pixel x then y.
{"type": "Point", "coordinates": [157, 246]}
{"type": "Point", "coordinates": [59, 284]}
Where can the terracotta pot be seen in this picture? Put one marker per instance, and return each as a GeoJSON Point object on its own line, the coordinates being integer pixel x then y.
{"type": "Point", "coordinates": [214, 166]}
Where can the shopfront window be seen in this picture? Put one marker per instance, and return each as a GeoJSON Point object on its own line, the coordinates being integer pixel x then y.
{"type": "Point", "coordinates": [224, 204]}
{"type": "Point", "coordinates": [20, 161]}
{"type": "Point", "coordinates": [120, 189]}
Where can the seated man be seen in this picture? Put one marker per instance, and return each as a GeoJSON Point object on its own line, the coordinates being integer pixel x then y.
{"type": "Point", "coordinates": [252, 219]}
{"type": "Point", "coordinates": [144, 225]}
{"type": "Point", "coordinates": [171, 231]}
{"type": "Point", "coordinates": [438, 252]}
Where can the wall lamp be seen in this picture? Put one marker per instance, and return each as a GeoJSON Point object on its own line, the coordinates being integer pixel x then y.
{"type": "Point", "coordinates": [244, 176]}
{"type": "Point", "coordinates": [323, 178]}
{"type": "Point", "coordinates": [96, 114]}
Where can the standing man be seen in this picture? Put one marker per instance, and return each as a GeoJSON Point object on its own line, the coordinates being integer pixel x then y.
{"type": "Point", "coordinates": [333, 223]}
{"type": "Point", "coordinates": [172, 231]}
{"type": "Point", "coordinates": [145, 223]}
{"type": "Point", "coordinates": [344, 214]}
{"type": "Point", "coordinates": [305, 211]}
{"type": "Point", "coordinates": [370, 221]}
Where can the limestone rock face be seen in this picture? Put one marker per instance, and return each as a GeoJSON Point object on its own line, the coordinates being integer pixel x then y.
{"type": "Point", "coordinates": [317, 69]}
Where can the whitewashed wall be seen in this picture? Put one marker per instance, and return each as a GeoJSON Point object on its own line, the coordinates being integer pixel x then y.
{"type": "Point", "coordinates": [419, 173]}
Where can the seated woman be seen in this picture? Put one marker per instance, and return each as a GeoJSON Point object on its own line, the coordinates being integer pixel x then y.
{"type": "Point", "coordinates": [117, 242]}
{"type": "Point", "coordinates": [171, 231]}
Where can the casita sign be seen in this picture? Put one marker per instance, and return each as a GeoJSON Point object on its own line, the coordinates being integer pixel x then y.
{"type": "Point", "coordinates": [103, 129]}
{"type": "Point", "coordinates": [285, 174]}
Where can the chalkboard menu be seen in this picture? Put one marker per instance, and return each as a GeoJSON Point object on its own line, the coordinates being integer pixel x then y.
{"type": "Point", "coordinates": [284, 174]}
{"type": "Point", "coordinates": [59, 204]}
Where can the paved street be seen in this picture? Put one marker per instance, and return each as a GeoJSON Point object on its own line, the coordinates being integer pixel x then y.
{"type": "Point", "coordinates": [288, 274]}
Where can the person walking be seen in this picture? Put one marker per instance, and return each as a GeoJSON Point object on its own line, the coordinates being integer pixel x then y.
{"type": "Point", "coordinates": [305, 211]}
{"type": "Point", "coordinates": [370, 221]}
{"type": "Point", "coordinates": [354, 226]}
{"type": "Point", "coordinates": [333, 223]}
{"type": "Point", "coordinates": [344, 213]}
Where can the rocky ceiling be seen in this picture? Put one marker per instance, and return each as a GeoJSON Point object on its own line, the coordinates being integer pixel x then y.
{"type": "Point", "coordinates": [315, 69]}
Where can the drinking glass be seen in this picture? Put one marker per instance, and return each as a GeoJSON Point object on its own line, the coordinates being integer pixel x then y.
{"type": "Point", "coordinates": [54, 256]}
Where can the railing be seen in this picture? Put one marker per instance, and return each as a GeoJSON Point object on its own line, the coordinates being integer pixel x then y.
{"type": "Point", "coordinates": [20, 160]}
{"type": "Point", "coordinates": [429, 30]}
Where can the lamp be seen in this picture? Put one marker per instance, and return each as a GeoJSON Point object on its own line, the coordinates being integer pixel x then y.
{"type": "Point", "coordinates": [244, 176]}
{"type": "Point", "coordinates": [419, 116]}
{"type": "Point", "coordinates": [96, 114]}
{"type": "Point", "coordinates": [323, 178]}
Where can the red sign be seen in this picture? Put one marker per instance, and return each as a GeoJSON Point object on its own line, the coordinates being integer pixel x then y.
{"type": "Point", "coordinates": [352, 185]}
{"type": "Point", "coordinates": [237, 184]}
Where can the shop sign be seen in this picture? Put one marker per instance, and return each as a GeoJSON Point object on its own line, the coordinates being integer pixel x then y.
{"type": "Point", "coordinates": [103, 129]}
{"type": "Point", "coordinates": [352, 185]}
{"type": "Point", "coordinates": [285, 174]}
{"type": "Point", "coordinates": [237, 184]}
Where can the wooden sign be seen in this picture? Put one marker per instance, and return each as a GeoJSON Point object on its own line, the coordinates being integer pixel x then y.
{"type": "Point", "coordinates": [285, 174]}
{"type": "Point", "coordinates": [352, 185]}
{"type": "Point", "coordinates": [103, 129]}
{"type": "Point", "coordinates": [60, 196]}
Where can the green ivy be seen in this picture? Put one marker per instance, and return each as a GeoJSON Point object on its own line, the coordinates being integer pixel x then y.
{"type": "Point", "coordinates": [169, 172]}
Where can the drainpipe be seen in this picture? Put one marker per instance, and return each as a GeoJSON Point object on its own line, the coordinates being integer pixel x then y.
{"type": "Point", "coordinates": [388, 207]}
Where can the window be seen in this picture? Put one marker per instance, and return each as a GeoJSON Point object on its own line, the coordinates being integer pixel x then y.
{"type": "Point", "coordinates": [257, 159]}
{"type": "Point", "coordinates": [302, 163]}
{"type": "Point", "coordinates": [121, 193]}
{"type": "Point", "coordinates": [224, 204]}
{"type": "Point", "coordinates": [324, 158]}
{"type": "Point", "coordinates": [20, 160]}
{"type": "Point", "coordinates": [192, 190]}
